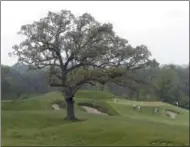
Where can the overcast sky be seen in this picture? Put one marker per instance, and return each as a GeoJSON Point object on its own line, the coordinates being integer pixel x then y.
{"type": "Point", "coordinates": [162, 26]}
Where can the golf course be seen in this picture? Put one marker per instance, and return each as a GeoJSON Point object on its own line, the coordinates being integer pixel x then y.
{"type": "Point", "coordinates": [102, 120]}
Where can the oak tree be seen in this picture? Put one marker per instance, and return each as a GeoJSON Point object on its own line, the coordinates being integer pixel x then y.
{"type": "Point", "coordinates": [79, 50]}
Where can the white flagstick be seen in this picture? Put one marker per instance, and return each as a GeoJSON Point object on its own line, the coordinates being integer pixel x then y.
{"type": "Point", "coordinates": [177, 104]}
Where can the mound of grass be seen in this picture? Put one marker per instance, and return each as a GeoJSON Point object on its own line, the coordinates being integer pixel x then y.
{"type": "Point", "coordinates": [173, 111]}
{"type": "Point", "coordinates": [100, 106]}
{"type": "Point", "coordinates": [44, 102]}
{"type": "Point", "coordinates": [39, 125]}
{"type": "Point", "coordinates": [125, 108]}
{"type": "Point", "coordinates": [96, 95]}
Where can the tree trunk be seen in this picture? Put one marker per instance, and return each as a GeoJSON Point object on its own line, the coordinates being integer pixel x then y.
{"type": "Point", "coordinates": [70, 109]}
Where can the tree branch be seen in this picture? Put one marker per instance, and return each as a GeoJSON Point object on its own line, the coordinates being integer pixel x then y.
{"type": "Point", "coordinates": [57, 85]}
{"type": "Point", "coordinates": [68, 60]}
{"type": "Point", "coordinates": [126, 85]}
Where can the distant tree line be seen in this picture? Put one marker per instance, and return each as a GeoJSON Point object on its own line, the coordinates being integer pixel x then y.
{"type": "Point", "coordinates": [170, 83]}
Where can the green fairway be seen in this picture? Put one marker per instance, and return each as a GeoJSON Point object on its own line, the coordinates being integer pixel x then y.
{"type": "Point", "coordinates": [33, 122]}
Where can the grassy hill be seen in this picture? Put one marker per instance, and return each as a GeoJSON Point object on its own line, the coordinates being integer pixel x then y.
{"type": "Point", "coordinates": [33, 122]}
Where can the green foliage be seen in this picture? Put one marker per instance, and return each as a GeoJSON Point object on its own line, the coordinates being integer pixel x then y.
{"type": "Point", "coordinates": [80, 50]}
{"type": "Point", "coordinates": [169, 84]}
{"type": "Point", "coordinates": [18, 82]}
{"type": "Point", "coordinates": [178, 83]}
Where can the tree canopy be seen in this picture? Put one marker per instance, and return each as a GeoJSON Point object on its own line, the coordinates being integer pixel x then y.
{"type": "Point", "coordinates": [79, 50]}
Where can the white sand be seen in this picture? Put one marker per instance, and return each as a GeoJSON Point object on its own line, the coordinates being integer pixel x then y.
{"type": "Point", "coordinates": [171, 114]}
{"type": "Point", "coordinates": [92, 110]}
{"type": "Point", "coordinates": [55, 107]}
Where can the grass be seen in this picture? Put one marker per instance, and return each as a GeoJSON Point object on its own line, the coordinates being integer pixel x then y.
{"type": "Point", "coordinates": [95, 95]}
{"type": "Point", "coordinates": [32, 122]}
{"type": "Point", "coordinates": [124, 107]}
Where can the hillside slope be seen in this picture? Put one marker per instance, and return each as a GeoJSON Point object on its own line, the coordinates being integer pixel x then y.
{"type": "Point", "coordinates": [33, 122]}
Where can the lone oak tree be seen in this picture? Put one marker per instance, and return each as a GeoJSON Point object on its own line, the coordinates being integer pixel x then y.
{"type": "Point", "coordinates": [79, 50]}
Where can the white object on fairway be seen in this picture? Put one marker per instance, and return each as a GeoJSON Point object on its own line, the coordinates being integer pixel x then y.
{"type": "Point", "coordinates": [177, 104]}
{"type": "Point", "coordinates": [55, 107]}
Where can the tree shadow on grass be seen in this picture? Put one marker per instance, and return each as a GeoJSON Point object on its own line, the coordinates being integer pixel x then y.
{"type": "Point", "coordinates": [75, 120]}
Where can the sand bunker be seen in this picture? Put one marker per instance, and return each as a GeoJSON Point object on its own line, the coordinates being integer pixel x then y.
{"type": "Point", "coordinates": [86, 108]}
{"type": "Point", "coordinates": [92, 110]}
{"type": "Point", "coordinates": [55, 107]}
{"type": "Point", "coordinates": [58, 104]}
{"type": "Point", "coordinates": [171, 114]}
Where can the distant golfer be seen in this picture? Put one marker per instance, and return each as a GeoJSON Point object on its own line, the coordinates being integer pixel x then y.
{"type": "Point", "coordinates": [134, 107]}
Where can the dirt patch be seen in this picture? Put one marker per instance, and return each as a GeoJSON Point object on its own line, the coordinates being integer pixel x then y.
{"type": "Point", "coordinates": [92, 110]}
{"type": "Point", "coordinates": [171, 113]}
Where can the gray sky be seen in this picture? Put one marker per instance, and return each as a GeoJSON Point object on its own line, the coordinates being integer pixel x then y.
{"type": "Point", "coordinates": [162, 26]}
